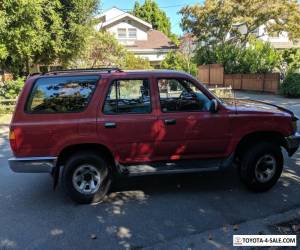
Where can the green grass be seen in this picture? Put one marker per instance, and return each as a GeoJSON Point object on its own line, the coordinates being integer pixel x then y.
{"type": "Point", "coordinates": [5, 118]}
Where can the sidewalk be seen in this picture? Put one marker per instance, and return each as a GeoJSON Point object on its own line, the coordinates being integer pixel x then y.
{"type": "Point", "coordinates": [221, 238]}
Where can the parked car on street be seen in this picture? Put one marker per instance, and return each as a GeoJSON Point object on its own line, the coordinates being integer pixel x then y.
{"type": "Point", "coordinates": [97, 125]}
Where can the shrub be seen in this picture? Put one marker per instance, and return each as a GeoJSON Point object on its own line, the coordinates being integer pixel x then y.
{"type": "Point", "coordinates": [177, 60]}
{"type": "Point", "coordinates": [9, 90]}
{"type": "Point", "coordinates": [256, 57]}
{"type": "Point", "coordinates": [291, 85]}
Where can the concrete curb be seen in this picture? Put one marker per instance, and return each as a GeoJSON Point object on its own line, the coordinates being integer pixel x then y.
{"type": "Point", "coordinates": [221, 238]}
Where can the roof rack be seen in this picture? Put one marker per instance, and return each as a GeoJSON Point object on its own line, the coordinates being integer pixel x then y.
{"type": "Point", "coordinates": [104, 69]}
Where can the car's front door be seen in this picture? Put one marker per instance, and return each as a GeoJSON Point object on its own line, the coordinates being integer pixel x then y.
{"type": "Point", "coordinates": [127, 120]}
{"type": "Point", "coordinates": [188, 129]}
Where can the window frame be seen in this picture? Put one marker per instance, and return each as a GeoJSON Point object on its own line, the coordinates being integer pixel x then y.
{"type": "Point", "coordinates": [27, 109]}
{"type": "Point", "coordinates": [128, 113]}
{"type": "Point", "coordinates": [135, 30]}
{"type": "Point", "coordinates": [179, 79]}
{"type": "Point", "coordinates": [125, 37]}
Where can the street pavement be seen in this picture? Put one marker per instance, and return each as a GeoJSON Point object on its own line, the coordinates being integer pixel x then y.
{"type": "Point", "coordinates": [191, 211]}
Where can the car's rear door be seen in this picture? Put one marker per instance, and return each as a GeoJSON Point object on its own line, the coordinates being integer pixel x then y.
{"type": "Point", "coordinates": [128, 119]}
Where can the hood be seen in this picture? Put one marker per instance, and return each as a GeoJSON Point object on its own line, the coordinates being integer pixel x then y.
{"type": "Point", "coordinates": [241, 105]}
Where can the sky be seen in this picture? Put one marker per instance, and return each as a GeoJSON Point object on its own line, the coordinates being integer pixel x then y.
{"type": "Point", "coordinates": [171, 8]}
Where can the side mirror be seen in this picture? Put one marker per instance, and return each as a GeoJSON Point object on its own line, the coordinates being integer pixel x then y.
{"type": "Point", "coordinates": [213, 108]}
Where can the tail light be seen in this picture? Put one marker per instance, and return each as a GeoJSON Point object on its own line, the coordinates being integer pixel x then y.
{"type": "Point", "coordinates": [13, 140]}
{"type": "Point", "coordinates": [294, 123]}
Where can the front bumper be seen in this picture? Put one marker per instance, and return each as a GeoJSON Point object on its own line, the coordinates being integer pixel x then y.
{"type": "Point", "coordinates": [292, 143]}
{"type": "Point", "coordinates": [32, 164]}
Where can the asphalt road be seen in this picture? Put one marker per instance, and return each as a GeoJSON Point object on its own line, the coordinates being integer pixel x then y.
{"type": "Point", "coordinates": [139, 212]}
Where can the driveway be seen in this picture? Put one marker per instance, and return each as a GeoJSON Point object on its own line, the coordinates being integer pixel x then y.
{"type": "Point", "coordinates": [153, 212]}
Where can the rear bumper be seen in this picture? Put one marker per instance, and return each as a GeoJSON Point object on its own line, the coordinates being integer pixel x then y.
{"type": "Point", "coordinates": [292, 143]}
{"type": "Point", "coordinates": [32, 164]}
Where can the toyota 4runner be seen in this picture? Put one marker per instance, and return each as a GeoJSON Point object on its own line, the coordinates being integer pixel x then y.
{"type": "Point", "coordinates": [98, 124]}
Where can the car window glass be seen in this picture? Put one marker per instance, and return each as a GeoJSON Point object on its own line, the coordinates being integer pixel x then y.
{"type": "Point", "coordinates": [128, 96]}
{"type": "Point", "coordinates": [61, 94]}
{"type": "Point", "coordinates": [181, 95]}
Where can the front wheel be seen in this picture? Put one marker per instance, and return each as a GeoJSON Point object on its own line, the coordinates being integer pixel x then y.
{"type": "Point", "coordinates": [261, 166]}
{"type": "Point", "coordinates": [87, 177]}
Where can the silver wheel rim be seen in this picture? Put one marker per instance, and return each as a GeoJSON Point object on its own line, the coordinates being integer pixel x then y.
{"type": "Point", "coordinates": [86, 179]}
{"type": "Point", "coordinates": [265, 168]}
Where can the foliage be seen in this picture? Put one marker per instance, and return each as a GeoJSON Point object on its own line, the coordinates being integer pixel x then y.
{"type": "Point", "coordinates": [212, 21]}
{"type": "Point", "coordinates": [11, 89]}
{"type": "Point", "coordinates": [177, 60]}
{"type": "Point", "coordinates": [291, 85]}
{"type": "Point", "coordinates": [290, 60]}
{"type": "Point", "coordinates": [102, 49]}
{"type": "Point", "coordinates": [257, 57]}
{"type": "Point", "coordinates": [42, 31]}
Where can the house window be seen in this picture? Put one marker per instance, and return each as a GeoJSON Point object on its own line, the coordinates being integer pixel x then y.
{"type": "Point", "coordinates": [122, 33]}
{"type": "Point", "coordinates": [132, 33]}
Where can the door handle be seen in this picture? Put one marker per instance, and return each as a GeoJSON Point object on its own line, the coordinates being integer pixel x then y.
{"type": "Point", "coordinates": [110, 125]}
{"type": "Point", "coordinates": [170, 121]}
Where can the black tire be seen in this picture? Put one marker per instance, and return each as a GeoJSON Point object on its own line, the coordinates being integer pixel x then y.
{"type": "Point", "coordinates": [252, 166]}
{"type": "Point", "coordinates": [99, 165]}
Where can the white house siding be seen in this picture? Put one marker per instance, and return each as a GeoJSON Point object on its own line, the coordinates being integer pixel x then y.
{"type": "Point", "coordinates": [154, 56]}
{"type": "Point", "coordinates": [148, 43]}
{"type": "Point", "coordinates": [141, 33]}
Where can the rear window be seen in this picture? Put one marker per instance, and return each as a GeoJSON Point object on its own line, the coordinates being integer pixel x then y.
{"type": "Point", "coordinates": [61, 94]}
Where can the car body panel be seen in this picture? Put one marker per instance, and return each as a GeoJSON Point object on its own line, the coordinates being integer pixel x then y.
{"type": "Point", "coordinates": [144, 137]}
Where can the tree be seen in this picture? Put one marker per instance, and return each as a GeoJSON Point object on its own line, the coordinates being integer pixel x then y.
{"type": "Point", "coordinates": [177, 60]}
{"type": "Point", "coordinates": [102, 49]}
{"type": "Point", "coordinates": [215, 19]}
{"type": "Point", "coordinates": [42, 31]}
{"type": "Point", "coordinates": [151, 13]}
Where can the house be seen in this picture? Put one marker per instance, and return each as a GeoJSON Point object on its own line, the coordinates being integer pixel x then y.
{"type": "Point", "coordinates": [136, 35]}
{"type": "Point", "coordinates": [279, 40]}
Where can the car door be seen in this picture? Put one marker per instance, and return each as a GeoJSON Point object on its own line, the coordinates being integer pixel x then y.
{"type": "Point", "coordinates": [190, 130]}
{"type": "Point", "coordinates": [128, 119]}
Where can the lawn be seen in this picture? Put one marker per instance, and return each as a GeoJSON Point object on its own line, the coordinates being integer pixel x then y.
{"type": "Point", "coordinates": [5, 118]}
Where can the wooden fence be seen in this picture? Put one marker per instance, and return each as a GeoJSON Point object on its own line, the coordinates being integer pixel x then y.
{"type": "Point", "coordinates": [256, 82]}
{"type": "Point", "coordinates": [213, 75]}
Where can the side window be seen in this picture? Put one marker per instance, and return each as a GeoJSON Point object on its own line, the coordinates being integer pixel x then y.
{"type": "Point", "coordinates": [61, 94]}
{"type": "Point", "coordinates": [181, 95]}
{"type": "Point", "coordinates": [128, 96]}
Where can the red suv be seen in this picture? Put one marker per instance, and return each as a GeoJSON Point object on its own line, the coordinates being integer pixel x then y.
{"type": "Point", "coordinates": [98, 124]}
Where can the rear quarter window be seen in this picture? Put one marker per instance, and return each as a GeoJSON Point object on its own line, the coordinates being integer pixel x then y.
{"type": "Point", "coordinates": [61, 94]}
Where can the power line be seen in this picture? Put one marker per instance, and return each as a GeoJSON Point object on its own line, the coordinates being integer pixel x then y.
{"type": "Point", "coordinates": [161, 7]}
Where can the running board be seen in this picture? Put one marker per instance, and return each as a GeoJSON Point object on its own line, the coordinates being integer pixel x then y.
{"type": "Point", "coordinates": [175, 167]}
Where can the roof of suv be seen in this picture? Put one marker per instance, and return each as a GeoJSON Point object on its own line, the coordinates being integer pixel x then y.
{"type": "Point", "coordinates": [107, 71]}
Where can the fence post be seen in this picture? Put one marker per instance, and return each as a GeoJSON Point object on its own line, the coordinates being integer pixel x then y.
{"type": "Point", "coordinates": [264, 81]}
{"type": "Point", "coordinates": [242, 81]}
{"type": "Point", "coordinates": [208, 74]}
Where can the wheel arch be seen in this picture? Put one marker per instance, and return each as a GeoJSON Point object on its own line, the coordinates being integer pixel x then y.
{"type": "Point", "coordinates": [91, 147]}
{"type": "Point", "coordinates": [251, 138]}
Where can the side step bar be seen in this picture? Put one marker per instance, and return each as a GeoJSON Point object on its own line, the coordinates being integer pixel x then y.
{"type": "Point", "coordinates": [175, 167]}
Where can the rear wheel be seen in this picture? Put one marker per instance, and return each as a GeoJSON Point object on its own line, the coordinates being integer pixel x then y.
{"type": "Point", "coordinates": [87, 177]}
{"type": "Point", "coordinates": [261, 166]}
